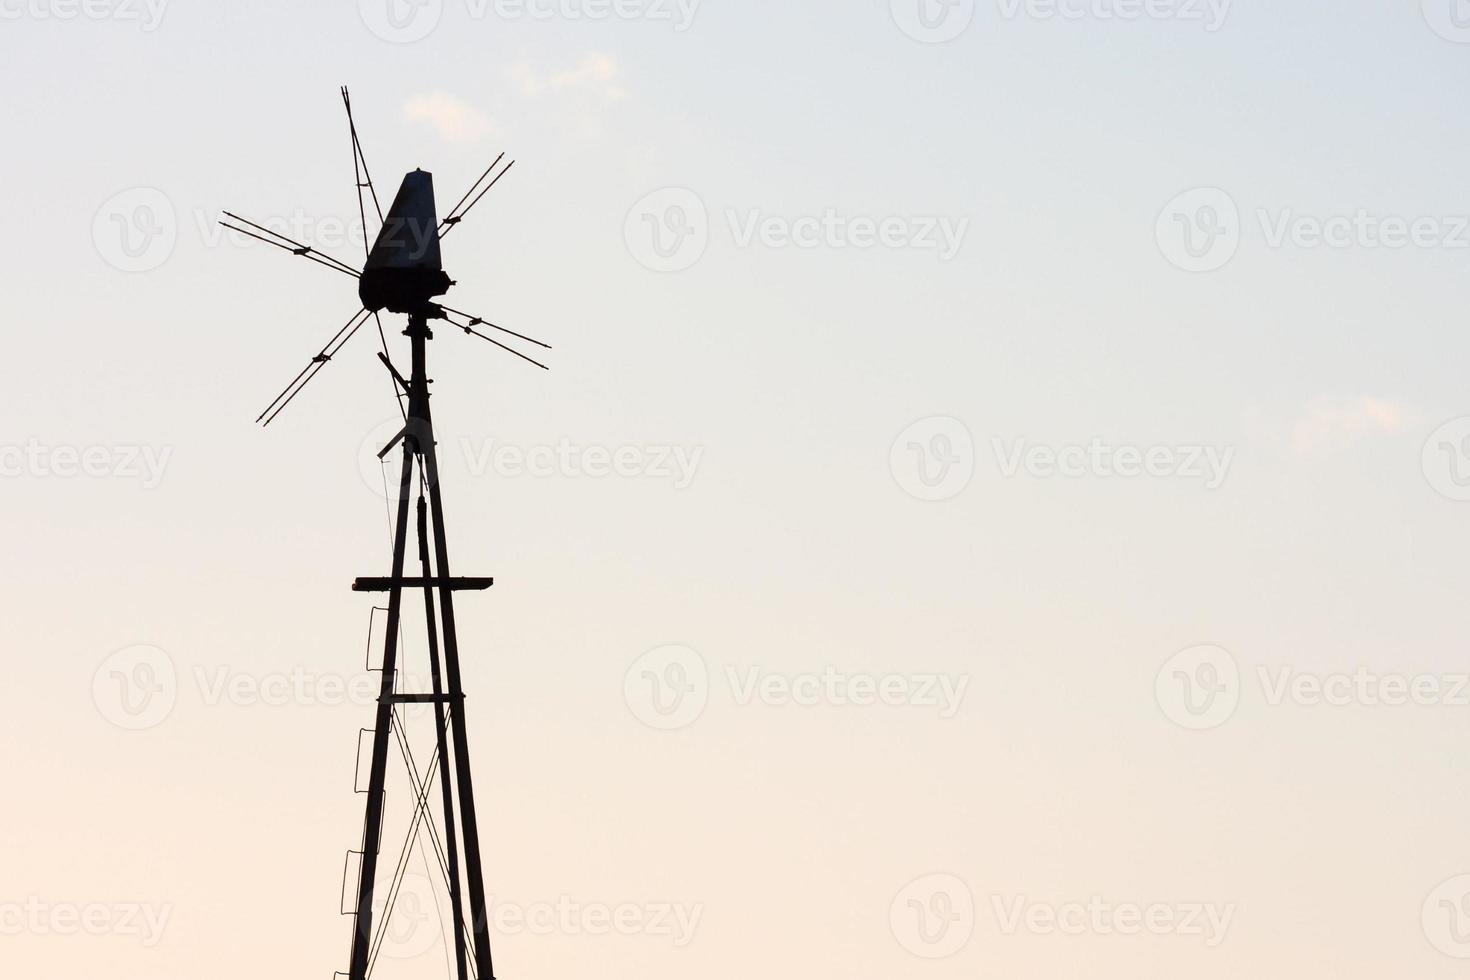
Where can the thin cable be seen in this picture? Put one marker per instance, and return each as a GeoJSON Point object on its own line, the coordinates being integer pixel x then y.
{"type": "Point", "coordinates": [471, 330]}
{"type": "Point", "coordinates": [318, 362]}
{"type": "Point", "coordinates": [308, 254]}
{"type": "Point", "coordinates": [323, 353]}
{"type": "Point", "coordinates": [476, 321]}
{"type": "Point", "coordinates": [293, 244]}
{"type": "Point", "coordinates": [473, 187]}
{"type": "Point", "coordinates": [396, 884]}
{"type": "Point", "coordinates": [357, 148]}
{"type": "Point", "coordinates": [460, 217]}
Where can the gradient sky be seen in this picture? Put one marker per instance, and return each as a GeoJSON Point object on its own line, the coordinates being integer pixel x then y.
{"type": "Point", "coordinates": [815, 396]}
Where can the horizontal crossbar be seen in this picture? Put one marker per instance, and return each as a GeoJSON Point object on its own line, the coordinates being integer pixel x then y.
{"type": "Point", "coordinates": [454, 584]}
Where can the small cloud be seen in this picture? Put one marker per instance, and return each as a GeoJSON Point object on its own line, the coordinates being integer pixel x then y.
{"type": "Point", "coordinates": [454, 119]}
{"type": "Point", "coordinates": [596, 75]}
{"type": "Point", "coordinates": [1329, 425]}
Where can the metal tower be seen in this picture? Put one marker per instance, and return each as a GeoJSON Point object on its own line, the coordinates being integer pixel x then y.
{"type": "Point", "coordinates": [403, 273]}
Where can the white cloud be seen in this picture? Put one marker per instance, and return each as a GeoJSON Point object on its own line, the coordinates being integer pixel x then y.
{"type": "Point", "coordinates": [454, 119]}
{"type": "Point", "coordinates": [1329, 425]}
{"type": "Point", "coordinates": [596, 75]}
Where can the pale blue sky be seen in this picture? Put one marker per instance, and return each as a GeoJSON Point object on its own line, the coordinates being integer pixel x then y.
{"type": "Point", "coordinates": [1330, 545]}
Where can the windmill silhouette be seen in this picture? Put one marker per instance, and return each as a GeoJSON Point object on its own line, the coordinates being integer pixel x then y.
{"type": "Point", "coordinates": [403, 273]}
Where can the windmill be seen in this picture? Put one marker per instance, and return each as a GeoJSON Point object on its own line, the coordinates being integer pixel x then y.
{"type": "Point", "coordinates": [403, 274]}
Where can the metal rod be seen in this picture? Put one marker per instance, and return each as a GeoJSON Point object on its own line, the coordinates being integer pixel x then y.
{"type": "Point", "coordinates": [497, 343]}
{"type": "Point", "coordinates": [476, 321]}
{"type": "Point", "coordinates": [460, 217]}
{"type": "Point", "coordinates": [452, 219]}
{"type": "Point", "coordinates": [295, 246]}
{"type": "Point", "coordinates": [456, 900]}
{"type": "Point", "coordinates": [418, 331]}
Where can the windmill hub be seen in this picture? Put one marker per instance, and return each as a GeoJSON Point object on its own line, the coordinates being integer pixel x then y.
{"type": "Point", "coordinates": [404, 270]}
